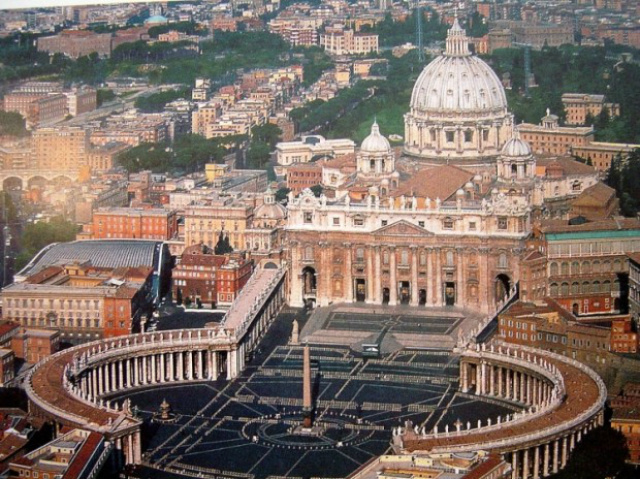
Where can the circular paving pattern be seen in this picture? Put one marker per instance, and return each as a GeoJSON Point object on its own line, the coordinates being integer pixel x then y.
{"type": "Point", "coordinates": [331, 430]}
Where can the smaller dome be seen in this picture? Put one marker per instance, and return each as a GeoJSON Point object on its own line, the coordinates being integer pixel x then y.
{"type": "Point", "coordinates": [375, 142]}
{"type": "Point", "coordinates": [395, 174]}
{"type": "Point", "coordinates": [156, 19]}
{"type": "Point", "coordinates": [270, 211]}
{"type": "Point", "coordinates": [460, 192]}
{"type": "Point", "coordinates": [516, 146]}
{"type": "Point", "coordinates": [468, 185]}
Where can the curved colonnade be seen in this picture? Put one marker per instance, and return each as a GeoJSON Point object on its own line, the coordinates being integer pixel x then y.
{"type": "Point", "coordinates": [561, 400]}
{"type": "Point", "coordinates": [71, 388]}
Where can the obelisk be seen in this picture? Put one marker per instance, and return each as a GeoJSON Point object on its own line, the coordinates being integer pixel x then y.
{"type": "Point", "coordinates": [307, 407]}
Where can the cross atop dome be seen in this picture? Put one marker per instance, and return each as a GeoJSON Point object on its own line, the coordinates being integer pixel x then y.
{"type": "Point", "coordinates": [457, 41]}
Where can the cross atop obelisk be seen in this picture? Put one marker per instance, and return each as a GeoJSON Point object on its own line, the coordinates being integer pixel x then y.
{"type": "Point", "coordinates": [307, 406]}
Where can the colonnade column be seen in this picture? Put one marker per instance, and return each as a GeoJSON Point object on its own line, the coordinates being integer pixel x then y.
{"type": "Point", "coordinates": [349, 273]}
{"type": "Point", "coordinates": [536, 462]}
{"type": "Point", "coordinates": [414, 275]}
{"type": "Point", "coordinates": [370, 294]}
{"type": "Point", "coordinates": [393, 287]}
{"type": "Point", "coordinates": [556, 456]}
{"type": "Point", "coordinates": [377, 294]}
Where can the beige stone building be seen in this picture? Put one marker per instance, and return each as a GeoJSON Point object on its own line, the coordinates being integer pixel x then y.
{"type": "Point", "coordinates": [203, 223]}
{"type": "Point", "coordinates": [579, 105]}
{"type": "Point", "coordinates": [60, 149]}
{"type": "Point", "coordinates": [338, 40]}
{"type": "Point", "coordinates": [550, 137]}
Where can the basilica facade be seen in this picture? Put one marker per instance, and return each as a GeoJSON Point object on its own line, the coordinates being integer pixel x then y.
{"type": "Point", "coordinates": [445, 224]}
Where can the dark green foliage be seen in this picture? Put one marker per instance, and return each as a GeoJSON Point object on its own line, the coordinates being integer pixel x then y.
{"type": "Point", "coordinates": [397, 33]}
{"type": "Point", "coordinates": [36, 236]}
{"type": "Point", "coordinates": [190, 28]}
{"type": "Point", "coordinates": [156, 102]}
{"type": "Point", "coordinates": [317, 190]}
{"type": "Point", "coordinates": [624, 177]}
{"type": "Point", "coordinates": [478, 26]}
{"type": "Point", "coordinates": [12, 123]}
{"type": "Point", "coordinates": [258, 155]}
{"type": "Point", "coordinates": [104, 96]}
{"type": "Point", "coordinates": [223, 246]}
{"type": "Point", "coordinates": [281, 194]}
{"type": "Point", "coordinates": [189, 153]}
{"type": "Point", "coordinates": [600, 454]}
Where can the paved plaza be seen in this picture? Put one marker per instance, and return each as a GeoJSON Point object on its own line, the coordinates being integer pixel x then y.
{"type": "Point", "coordinates": [244, 428]}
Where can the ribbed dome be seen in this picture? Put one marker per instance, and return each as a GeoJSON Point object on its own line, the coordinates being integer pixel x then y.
{"type": "Point", "coordinates": [458, 81]}
{"type": "Point", "coordinates": [375, 142]}
{"type": "Point", "coordinates": [270, 211]}
{"type": "Point", "coordinates": [516, 147]}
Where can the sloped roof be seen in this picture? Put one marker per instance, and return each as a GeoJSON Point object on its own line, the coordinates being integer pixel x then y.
{"type": "Point", "coordinates": [439, 182]}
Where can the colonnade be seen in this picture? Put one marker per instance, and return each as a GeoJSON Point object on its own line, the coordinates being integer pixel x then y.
{"type": "Point", "coordinates": [506, 382]}
{"type": "Point", "coordinates": [153, 369]}
{"type": "Point", "coordinates": [537, 384]}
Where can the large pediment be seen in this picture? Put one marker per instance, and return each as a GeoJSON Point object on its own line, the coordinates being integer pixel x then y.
{"type": "Point", "coordinates": [402, 228]}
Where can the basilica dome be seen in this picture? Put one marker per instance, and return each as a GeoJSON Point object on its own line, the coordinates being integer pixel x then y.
{"type": "Point", "coordinates": [458, 111]}
{"type": "Point", "coordinates": [375, 142]}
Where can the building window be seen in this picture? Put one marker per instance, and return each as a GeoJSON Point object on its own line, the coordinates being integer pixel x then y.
{"type": "Point", "coordinates": [336, 221]}
{"type": "Point", "coordinates": [358, 221]}
{"type": "Point", "coordinates": [421, 224]}
{"type": "Point", "coordinates": [468, 136]}
{"type": "Point", "coordinates": [447, 224]}
{"type": "Point", "coordinates": [449, 258]}
{"type": "Point", "coordinates": [384, 223]}
{"type": "Point", "coordinates": [404, 258]}
{"type": "Point", "coordinates": [308, 217]}
{"type": "Point", "coordinates": [502, 223]}
{"type": "Point", "coordinates": [360, 255]}
{"type": "Point", "coordinates": [449, 136]}
{"type": "Point", "coordinates": [502, 261]}
{"type": "Point", "coordinates": [472, 225]}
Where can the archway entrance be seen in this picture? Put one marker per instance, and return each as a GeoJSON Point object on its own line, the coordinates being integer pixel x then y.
{"type": "Point", "coordinates": [405, 292]}
{"type": "Point", "coordinates": [502, 287]}
{"type": "Point", "coordinates": [450, 293]}
{"type": "Point", "coordinates": [385, 295]}
{"type": "Point", "coordinates": [360, 290]}
{"type": "Point", "coordinates": [422, 297]}
{"type": "Point", "coordinates": [308, 281]}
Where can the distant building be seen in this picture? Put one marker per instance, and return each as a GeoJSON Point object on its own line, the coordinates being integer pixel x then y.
{"type": "Point", "coordinates": [549, 137]}
{"type": "Point", "coordinates": [626, 420]}
{"type": "Point", "coordinates": [586, 264]}
{"type": "Point", "coordinates": [624, 336]}
{"type": "Point", "coordinates": [338, 40]}
{"type": "Point", "coordinates": [7, 367]}
{"type": "Point", "coordinates": [79, 454]}
{"type": "Point", "coordinates": [579, 106]}
{"type": "Point", "coordinates": [60, 149]}
{"type": "Point", "coordinates": [77, 43]}
{"type": "Point", "coordinates": [134, 223]}
{"type": "Point", "coordinates": [206, 277]}
{"type": "Point", "coordinates": [311, 147]}
{"type": "Point", "coordinates": [303, 175]}
{"type": "Point", "coordinates": [203, 223]}
{"type": "Point", "coordinates": [34, 345]}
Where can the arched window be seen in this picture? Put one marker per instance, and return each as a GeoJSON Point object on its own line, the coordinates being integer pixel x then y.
{"type": "Point", "coordinates": [596, 266]}
{"type": "Point", "coordinates": [586, 267]}
{"type": "Point", "coordinates": [606, 266]}
{"type": "Point", "coordinates": [606, 287]}
{"type": "Point", "coordinates": [553, 289]}
{"type": "Point", "coordinates": [586, 288]}
{"type": "Point", "coordinates": [564, 290]}
{"type": "Point", "coordinates": [575, 288]}
{"type": "Point", "coordinates": [617, 265]}
{"type": "Point", "coordinates": [565, 268]}
{"type": "Point", "coordinates": [596, 287]}
{"type": "Point", "coordinates": [553, 269]}
{"type": "Point", "coordinates": [575, 268]}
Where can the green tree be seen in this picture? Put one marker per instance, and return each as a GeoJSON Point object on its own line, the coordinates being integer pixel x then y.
{"type": "Point", "coordinates": [12, 124]}
{"type": "Point", "coordinates": [104, 95]}
{"type": "Point", "coordinates": [156, 102]}
{"type": "Point", "coordinates": [258, 155]}
{"type": "Point", "coordinates": [36, 236]}
{"type": "Point", "coordinates": [223, 246]}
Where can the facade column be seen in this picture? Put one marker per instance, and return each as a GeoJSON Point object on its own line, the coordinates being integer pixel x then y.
{"type": "Point", "coordinates": [215, 366]}
{"type": "Point", "coordinates": [393, 286]}
{"type": "Point", "coordinates": [200, 364]}
{"type": "Point", "coordinates": [431, 294]}
{"type": "Point", "coordinates": [414, 275]}
{"type": "Point", "coordinates": [500, 386]}
{"type": "Point", "coordinates": [564, 452]}
{"type": "Point", "coordinates": [136, 371]}
{"type": "Point", "coordinates": [492, 380]}
{"type": "Point", "coordinates": [94, 385]}
{"type": "Point", "coordinates": [189, 365]}
{"type": "Point", "coordinates": [120, 374]}
{"type": "Point", "coordinates": [439, 286]}
{"type": "Point", "coordinates": [370, 295]}
{"type": "Point", "coordinates": [348, 280]}
{"type": "Point", "coordinates": [525, 464]}
{"type": "Point", "coordinates": [507, 394]}
{"type": "Point", "coordinates": [378, 276]}
{"type": "Point", "coordinates": [536, 462]}
{"type": "Point", "coordinates": [483, 377]}
{"type": "Point", "coordinates": [514, 465]}
{"type": "Point", "coordinates": [523, 390]}
{"type": "Point", "coordinates": [100, 384]}
{"type": "Point", "coordinates": [460, 290]}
